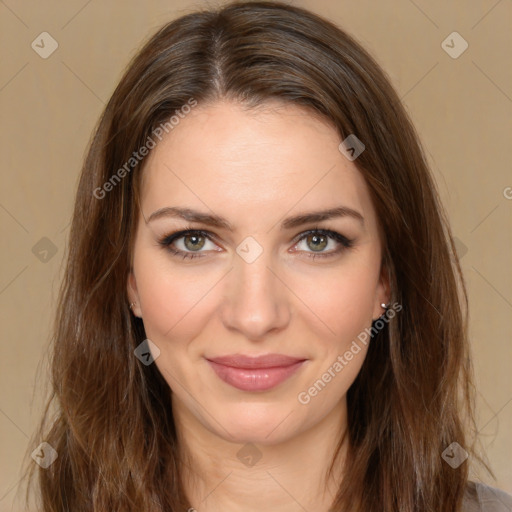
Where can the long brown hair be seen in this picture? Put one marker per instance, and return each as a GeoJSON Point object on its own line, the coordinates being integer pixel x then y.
{"type": "Point", "coordinates": [112, 424]}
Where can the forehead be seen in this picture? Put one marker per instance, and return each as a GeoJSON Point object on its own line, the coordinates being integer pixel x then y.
{"type": "Point", "coordinates": [255, 163]}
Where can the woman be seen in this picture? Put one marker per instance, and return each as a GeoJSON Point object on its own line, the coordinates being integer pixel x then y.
{"type": "Point", "coordinates": [262, 307]}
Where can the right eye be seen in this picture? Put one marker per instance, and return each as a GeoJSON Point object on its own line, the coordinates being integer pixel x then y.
{"type": "Point", "coordinates": [191, 241]}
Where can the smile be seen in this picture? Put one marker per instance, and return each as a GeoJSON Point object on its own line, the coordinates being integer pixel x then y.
{"type": "Point", "coordinates": [255, 374]}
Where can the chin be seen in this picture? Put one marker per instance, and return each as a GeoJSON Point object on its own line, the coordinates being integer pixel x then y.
{"type": "Point", "coordinates": [255, 423]}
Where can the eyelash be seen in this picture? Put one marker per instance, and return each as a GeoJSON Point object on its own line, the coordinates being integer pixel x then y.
{"type": "Point", "coordinates": [167, 240]}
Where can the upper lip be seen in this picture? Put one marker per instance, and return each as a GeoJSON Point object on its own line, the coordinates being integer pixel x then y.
{"type": "Point", "coordinates": [263, 361]}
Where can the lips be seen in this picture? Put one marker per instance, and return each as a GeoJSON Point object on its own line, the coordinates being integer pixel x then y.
{"type": "Point", "coordinates": [264, 361]}
{"type": "Point", "coordinates": [259, 373]}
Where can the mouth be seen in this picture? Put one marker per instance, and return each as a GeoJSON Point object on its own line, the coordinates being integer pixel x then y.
{"type": "Point", "coordinates": [259, 373]}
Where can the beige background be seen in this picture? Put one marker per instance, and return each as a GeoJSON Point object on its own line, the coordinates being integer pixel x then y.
{"type": "Point", "coordinates": [462, 109]}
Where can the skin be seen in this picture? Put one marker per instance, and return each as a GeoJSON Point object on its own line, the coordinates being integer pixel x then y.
{"type": "Point", "coordinates": [256, 168]}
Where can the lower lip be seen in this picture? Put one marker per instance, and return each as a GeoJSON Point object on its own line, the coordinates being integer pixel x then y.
{"type": "Point", "coordinates": [254, 379]}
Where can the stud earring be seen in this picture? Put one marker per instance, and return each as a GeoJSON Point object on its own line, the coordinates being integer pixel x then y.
{"type": "Point", "coordinates": [132, 304]}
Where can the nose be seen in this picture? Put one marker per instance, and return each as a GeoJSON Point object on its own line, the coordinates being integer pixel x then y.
{"type": "Point", "coordinates": [257, 300]}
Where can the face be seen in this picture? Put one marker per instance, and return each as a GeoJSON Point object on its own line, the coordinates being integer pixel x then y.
{"type": "Point", "coordinates": [255, 276]}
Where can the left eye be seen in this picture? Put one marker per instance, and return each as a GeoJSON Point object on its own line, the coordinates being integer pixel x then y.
{"type": "Point", "coordinates": [319, 238]}
{"type": "Point", "coordinates": [192, 241]}
{"type": "Point", "coordinates": [318, 242]}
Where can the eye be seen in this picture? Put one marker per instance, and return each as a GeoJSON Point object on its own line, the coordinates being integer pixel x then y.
{"type": "Point", "coordinates": [189, 241]}
{"type": "Point", "coordinates": [318, 240]}
{"type": "Point", "coordinates": [188, 244]}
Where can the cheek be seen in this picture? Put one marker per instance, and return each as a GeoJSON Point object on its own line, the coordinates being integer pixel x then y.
{"type": "Point", "coordinates": [173, 309]}
{"type": "Point", "coordinates": [339, 301]}
{"type": "Point", "coordinates": [172, 298]}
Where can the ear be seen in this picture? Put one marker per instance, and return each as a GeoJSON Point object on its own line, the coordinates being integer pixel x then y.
{"type": "Point", "coordinates": [382, 293]}
{"type": "Point", "coordinates": [133, 296]}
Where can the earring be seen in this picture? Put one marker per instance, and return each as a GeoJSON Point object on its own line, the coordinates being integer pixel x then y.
{"type": "Point", "coordinates": [132, 304]}
{"type": "Point", "coordinates": [384, 306]}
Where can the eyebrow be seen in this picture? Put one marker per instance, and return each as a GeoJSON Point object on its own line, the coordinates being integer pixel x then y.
{"type": "Point", "coordinates": [220, 222]}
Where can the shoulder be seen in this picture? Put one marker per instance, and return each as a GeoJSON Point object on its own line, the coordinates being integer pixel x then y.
{"type": "Point", "coordinates": [480, 497]}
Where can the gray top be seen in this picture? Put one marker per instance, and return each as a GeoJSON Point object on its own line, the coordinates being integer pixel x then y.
{"type": "Point", "coordinates": [480, 497]}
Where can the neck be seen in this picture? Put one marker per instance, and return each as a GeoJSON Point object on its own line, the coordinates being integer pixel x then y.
{"type": "Point", "coordinates": [289, 476]}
